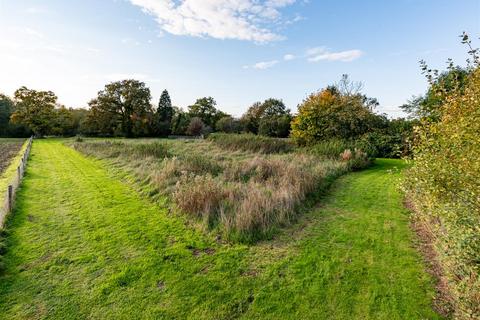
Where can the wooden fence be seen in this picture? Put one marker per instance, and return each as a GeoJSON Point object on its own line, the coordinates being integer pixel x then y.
{"type": "Point", "coordinates": [9, 198]}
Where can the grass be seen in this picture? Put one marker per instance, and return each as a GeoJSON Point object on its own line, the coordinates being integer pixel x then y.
{"type": "Point", "coordinates": [244, 195]}
{"type": "Point", "coordinates": [251, 142]}
{"type": "Point", "coordinates": [84, 244]}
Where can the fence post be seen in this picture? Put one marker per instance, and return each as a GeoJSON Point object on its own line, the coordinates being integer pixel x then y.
{"type": "Point", "coordinates": [10, 198]}
{"type": "Point", "coordinates": [19, 171]}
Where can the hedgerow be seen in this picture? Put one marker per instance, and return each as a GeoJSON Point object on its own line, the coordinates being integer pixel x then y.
{"type": "Point", "coordinates": [444, 185]}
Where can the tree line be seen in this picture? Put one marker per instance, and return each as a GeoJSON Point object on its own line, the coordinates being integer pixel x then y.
{"type": "Point", "coordinates": [124, 108]}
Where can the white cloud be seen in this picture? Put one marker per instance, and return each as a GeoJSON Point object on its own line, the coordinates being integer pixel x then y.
{"type": "Point", "coordinates": [322, 53]}
{"type": "Point", "coordinates": [288, 57]}
{"type": "Point", "coordinates": [262, 65]}
{"type": "Point", "coordinates": [220, 19]}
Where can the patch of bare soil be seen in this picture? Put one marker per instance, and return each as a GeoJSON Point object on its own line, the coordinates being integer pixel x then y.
{"type": "Point", "coordinates": [8, 150]}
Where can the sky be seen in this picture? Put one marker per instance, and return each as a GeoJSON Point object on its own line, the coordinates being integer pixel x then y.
{"type": "Point", "coordinates": [238, 51]}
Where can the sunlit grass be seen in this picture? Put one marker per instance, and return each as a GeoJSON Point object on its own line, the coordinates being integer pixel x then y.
{"type": "Point", "coordinates": [83, 243]}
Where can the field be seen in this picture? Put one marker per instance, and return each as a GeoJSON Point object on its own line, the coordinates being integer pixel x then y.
{"type": "Point", "coordinates": [9, 148]}
{"type": "Point", "coordinates": [10, 157]}
{"type": "Point", "coordinates": [83, 241]}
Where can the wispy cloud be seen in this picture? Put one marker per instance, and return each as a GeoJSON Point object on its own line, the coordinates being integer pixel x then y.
{"type": "Point", "coordinates": [36, 10]}
{"type": "Point", "coordinates": [221, 19]}
{"type": "Point", "coordinates": [322, 53]}
{"type": "Point", "coordinates": [288, 57]}
{"type": "Point", "coordinates": [262, 65]}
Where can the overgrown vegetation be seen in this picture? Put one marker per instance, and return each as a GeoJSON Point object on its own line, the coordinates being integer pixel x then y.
{"type": "Point", "coordinates": [83, 244]}
{"type": "Point", "coordinates": [252, 143]}
{"type": "Point", "coordinates": [444, 183]}
{"type": "Point", "coordinates": [246, 193]}
{"type": "Point", "coordinates": [342, 112]}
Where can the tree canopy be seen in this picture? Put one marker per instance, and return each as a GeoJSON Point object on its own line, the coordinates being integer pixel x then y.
{"type": "Point", "coordinates": [164, 115]}
{"type": "Point", "coordinates": [122, 108]}
{"type": "Point", "coordinates": [270, 118]}
{"type": "Point", "coordinates": [34, 109]}
{"type": "Point", "coordinates": [205, 109]}
{"type": "Point", "coordinates": [338, 111]}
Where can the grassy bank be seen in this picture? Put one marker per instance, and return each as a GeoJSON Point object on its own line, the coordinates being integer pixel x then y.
{"type": "Point", "coordinates": [82, 244]}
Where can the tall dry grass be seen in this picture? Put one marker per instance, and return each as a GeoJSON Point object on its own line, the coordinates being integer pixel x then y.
{"type": "Point", "coordinates": [245, 195]}
{"type": "Point", "coordinates": [252, 143]}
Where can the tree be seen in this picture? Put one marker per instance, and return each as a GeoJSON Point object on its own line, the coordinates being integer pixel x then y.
{"type": "Point", "coordinates": [196, 127]}
{"type": "Point", "coordinates": [63, 122]}
{"type": "Point", "coordinates": [228, 124]}
{"type": "Point", "coordinates": [122, 108]}
{"type": "Point", "coordinates": [204, 108]}
{"type": "Point", "coordinates": [264, 118]}
{"type": "Point", "coordinates": [275, 126]}
{"type": "Point", "coordinates": [339, 111]}
{"type": "Point", "coordinates": [251, 119]}
{"type": "Point", "coordinates": [429, 106]}
{"type": "Point", "coordinates": [164, 115]}
{"type": "Point", "coordinates": [180, 121]}
{"type": "Point", "coordinates": [35, 110]}
{"type": "Point", "coordinates": [6, 109]}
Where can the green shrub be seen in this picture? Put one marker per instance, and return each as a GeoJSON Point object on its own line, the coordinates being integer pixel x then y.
{"type": "Point", "coordinates": [444, 185]}
{"type": "Point", "coordinates": [251, 142]}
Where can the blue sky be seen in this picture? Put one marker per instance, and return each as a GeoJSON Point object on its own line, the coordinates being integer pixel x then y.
{"type": "Point", "coordinates": [238, 52]}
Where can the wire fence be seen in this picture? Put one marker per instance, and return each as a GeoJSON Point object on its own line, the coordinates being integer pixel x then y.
{"type": "Point", "coordinates": [9, 199]}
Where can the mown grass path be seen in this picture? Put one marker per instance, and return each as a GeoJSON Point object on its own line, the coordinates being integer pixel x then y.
{"type": "Point", "coordinates": [82, 244]}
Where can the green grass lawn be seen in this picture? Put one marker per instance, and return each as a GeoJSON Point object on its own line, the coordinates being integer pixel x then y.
{"type": "Point", "coordinates": [83, 244]}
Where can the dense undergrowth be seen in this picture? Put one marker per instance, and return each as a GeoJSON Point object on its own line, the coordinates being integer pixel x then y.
{"type": "Point", "coordinates": [244, 195]}
{"type": "Point", "coordinates": [444, 185]}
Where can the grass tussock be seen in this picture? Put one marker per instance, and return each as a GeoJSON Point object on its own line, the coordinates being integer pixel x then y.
{"type": "Point", "coordinates": [244, 195]}
{"type": "Point", "coordinates": [252, 143]}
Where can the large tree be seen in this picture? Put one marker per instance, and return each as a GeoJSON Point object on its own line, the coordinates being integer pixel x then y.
{"type": "Point", "coordinates": [35, 110]}
{"type": "Point", "coordinates": [122, 108]}
{"type": "Point", "coordinates": [271, 118]}
{"type": "Point", "coordinates": [338, 111]}
{"type": "Point", "coordinates": [205, 109]}
{"type": "Point", "coordinates": [164, 115]}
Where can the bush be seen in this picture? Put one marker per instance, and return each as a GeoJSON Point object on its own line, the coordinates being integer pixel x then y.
{"type": "Point", "coordinates": [196, 127]}
{"type": "Point", "coordinates": [228, 124]}
{"type": "Point", "coordinates": [275, 126]}
{"type": "Point", "coordinates": [251, 142]}
{"type": "Point", "coordinates": [444, 185]}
